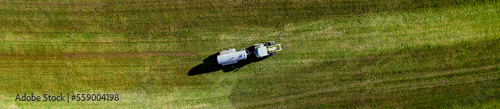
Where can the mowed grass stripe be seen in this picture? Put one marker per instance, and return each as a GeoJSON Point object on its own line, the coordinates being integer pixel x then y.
{"type": "Point", "coordinates": [178, 19]}
{"type": "Point", "coordinates": [100, 56]}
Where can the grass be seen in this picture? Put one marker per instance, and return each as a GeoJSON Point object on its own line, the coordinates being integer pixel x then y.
{"type": "Point", "coordinates": [338, 54]}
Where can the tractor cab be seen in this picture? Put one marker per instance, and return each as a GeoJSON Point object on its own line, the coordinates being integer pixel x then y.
{"type": "Point", "coordinates": [268, 49]}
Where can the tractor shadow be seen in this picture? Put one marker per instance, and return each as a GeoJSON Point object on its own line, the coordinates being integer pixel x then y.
{"type": "Point", "coordinates": [210, 64]}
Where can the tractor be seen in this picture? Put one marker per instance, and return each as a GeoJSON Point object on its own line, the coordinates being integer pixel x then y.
{"type": "Point", "coordinates": [231, 56]}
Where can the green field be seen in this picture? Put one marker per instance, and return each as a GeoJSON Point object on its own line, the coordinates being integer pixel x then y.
{"type": "Point", "coordinates": [338, 53]}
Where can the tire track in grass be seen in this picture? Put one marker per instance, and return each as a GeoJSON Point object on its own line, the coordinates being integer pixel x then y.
{"type": "Point", "coordinates": [366, 84]}
{"type": "Point", "coordinates": [430, 75]}
{"type": "Point", "coordinates": [464, 79]}
{"type": "Point", "coordinates": [358, 86]}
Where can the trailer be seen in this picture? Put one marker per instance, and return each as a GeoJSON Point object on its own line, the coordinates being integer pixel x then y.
{"type": "Point", "coordinates": [227, 57]}
{"type": "Point", "coordinates": [231, 56]}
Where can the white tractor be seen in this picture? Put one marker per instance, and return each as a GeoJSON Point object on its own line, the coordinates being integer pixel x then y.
{"type": "Point", "coordinates": [231, 56]}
